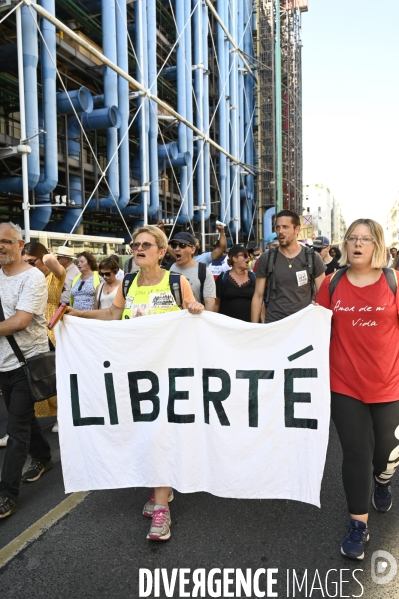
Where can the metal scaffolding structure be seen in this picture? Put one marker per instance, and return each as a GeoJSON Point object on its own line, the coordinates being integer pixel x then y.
{"type": "Point", "coordinates": [137, 111]}
{"type": "Point", "coordinates": [289, 125]}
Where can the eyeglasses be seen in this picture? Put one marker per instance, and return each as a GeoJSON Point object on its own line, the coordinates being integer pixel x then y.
{"type": "Point", "coordinates": [362, 240]}
{"type": "Point", "coordinates": [256, 255]}
{"type": "Point", "coordinates": [146, 245]}
{"type": "Point", "coordinates": [9, 241]}
{"type": "Point", "coordinates": [180, 244]}
{"type": "Point", "coordinates": [31, 262]}
{"type": "Point", "coordinates": [106, 274]}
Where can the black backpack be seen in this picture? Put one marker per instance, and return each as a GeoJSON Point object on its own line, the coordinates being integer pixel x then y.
{"type": "Point", "coordinates": [389, 273]}
{"type": "Point", "coordinates": [202, 277]}
{"type": "Point", "coordinates": [174, 283]}
{"type": "Point", "coordinates": [271, 289]}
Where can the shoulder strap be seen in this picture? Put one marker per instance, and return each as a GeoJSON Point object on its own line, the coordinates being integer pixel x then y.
{"type": "Point", "coordinates": [252, 276]}
{"type": "Point", "coordinates": [335, 279]}
{"type": "Point", "coordinates": [310, 267]}
{"type": "Point", "coordinates": [224, 276]}
{"type": "Point", "coordinates": [175, 287]}
{"type": "Point", "coordinates": [392, 279]}
{"type": "Point", "coordinates": [11, 340]}
{"type": "Point", "coordinates": [127, 281]}
{"type": "Point", "coordinates": [99, 295]}
{"type": "Point", "coordinates": [202, 277]}
{"type": "Point", "coordinates": [271, 289]}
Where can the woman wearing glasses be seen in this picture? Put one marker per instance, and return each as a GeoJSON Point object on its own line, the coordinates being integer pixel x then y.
{"type": "Point", "coordinates": [364, 376]}
{"type": "Point", "coordinates": [85, 284]}
{"type": "Point", "coordinates": [149, 293]}
{"type": "Point", "coordinates": [235, 288]}
{"type": "Point", "coordinates": [36, 254]}
{"type": "Point", "coordinates": [106, 292]}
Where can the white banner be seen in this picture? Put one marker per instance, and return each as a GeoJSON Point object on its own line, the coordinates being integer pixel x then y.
{"type": "Point", "coordinates": [199, 403]}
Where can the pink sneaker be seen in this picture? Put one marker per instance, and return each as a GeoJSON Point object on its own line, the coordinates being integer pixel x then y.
{"type": "Point", "coordinates": [148, 509]}
{"type": "Point", "coordinates": [160, 525]}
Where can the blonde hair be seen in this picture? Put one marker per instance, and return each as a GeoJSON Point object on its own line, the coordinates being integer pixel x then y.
{"type": "Point", "coordinates": [159, 236]}
{"type": "Point", "coordinates": [379, 258]}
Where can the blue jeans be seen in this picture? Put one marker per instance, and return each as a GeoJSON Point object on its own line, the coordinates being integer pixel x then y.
{"type": "Point", "coordinates": [25, 434]}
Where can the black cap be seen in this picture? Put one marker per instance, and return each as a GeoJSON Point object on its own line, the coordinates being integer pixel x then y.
{"type": "Point", "coordinates": [185, 237]}
{"type": "Point", "coordinates": [236, 249]}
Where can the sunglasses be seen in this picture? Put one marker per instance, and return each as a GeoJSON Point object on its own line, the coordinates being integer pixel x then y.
{"type": "Point", "coordinates": [180, 244]}
{"type": "Point", "coordinates": [243, 254]}
{"type": "Point", "coordinates": [146, 245]}
{"type": "Point", "coordinates": [32, 262]}
{"type": "Point", "coordinates": [106, 274]}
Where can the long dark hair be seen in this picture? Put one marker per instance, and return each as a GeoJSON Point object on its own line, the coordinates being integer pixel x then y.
{"type": "Point", "coordinates": [92, 262]}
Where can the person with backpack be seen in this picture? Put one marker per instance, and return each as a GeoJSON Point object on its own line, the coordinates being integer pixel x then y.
{"type": "Point", "coordinates": [286, 276]}
{"type": "Point", "coordinates": [152, 290]}
{"type": "Point", "coordinates": [364, 374]}
{"type": "Point", "coordinates": [235, 288]}
{"type": "Point", "coordinates": [197, 273]}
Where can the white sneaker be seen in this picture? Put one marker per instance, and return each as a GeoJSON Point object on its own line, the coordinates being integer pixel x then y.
{"type": "Point", "coordinates": [3, 441]}
{"type": "Point", "coordinates": [55, 428]}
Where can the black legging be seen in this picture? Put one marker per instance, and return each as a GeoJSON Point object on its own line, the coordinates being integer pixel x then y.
{"type": "Point", "coordinates": [369, 435]}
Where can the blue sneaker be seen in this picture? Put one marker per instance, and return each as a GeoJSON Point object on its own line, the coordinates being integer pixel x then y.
{"type": "Point", "coordinates": [357, 537]}
{"type": "Point", "coordinates": [382, 496]}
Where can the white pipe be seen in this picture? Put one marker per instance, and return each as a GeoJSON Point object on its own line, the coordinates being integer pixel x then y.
{"type": "Point", "coordinates": [24, 157]}
{"type": "Point", "coordinates": [133, 81]}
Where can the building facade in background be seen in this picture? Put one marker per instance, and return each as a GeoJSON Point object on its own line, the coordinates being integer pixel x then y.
{"type": "Point", "coordinates": [338, 224]}
{"type": "Point", "coordinates": [318, 202]}
{"type": "Point", "coordinates": [392, 227]}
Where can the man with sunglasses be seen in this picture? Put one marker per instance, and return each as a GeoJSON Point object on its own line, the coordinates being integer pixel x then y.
{"type": "Point", "coordinates": [23, 294]}
{"type": "Point", "coordinates": [198, 275]}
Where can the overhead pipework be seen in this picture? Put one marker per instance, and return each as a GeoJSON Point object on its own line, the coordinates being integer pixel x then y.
{"type": "Point", "coordinates": [137, 111]}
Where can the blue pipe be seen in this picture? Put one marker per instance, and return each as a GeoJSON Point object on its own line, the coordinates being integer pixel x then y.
{"type": "Point", "coordinates": [181, 105]}
{"type": "Point", "coordinates": [110, 79]}
{"type": "Point", "coordinates": [30, 60]}
{"type": "Point", "coordinates": [222, 113]}
{"type": "Point", "coordinates": [189, 108]}
{"type": "Point", "coordinates": [169, 73]}
{"type": "Point", "coordinates": [81, 100]}
{"type": "Point", "coordinates": [153, 107]}
{"type": "Point", "coordinates": [98, 101]}
{"type": "Point", "coordinates": [102, 118]}
{"type": "Point", "coordinates": [123, 104]}
{"type": "Point", "coordinates": [168, 151]}
{"type": "Point", "coordinates": [49, 173]}
{"type": "Point", "coordinates": [267, 224]}
{"type": "Point", "coordinates": [205, 112]}
{"type": "Point", "coordinates": [72, 214]}
{"type": "Point", "coordinates": [248, 107]}
{"type": "Point", "coordinates": [142, 77]}
{"type": "Point", "coordinates": [234, 141]}
{"type": "Point", "coordinates": [198, 156]}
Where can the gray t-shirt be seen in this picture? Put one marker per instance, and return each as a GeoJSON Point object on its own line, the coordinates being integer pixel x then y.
{"type": "Point", "coordinates": [191, 274]}
{"type": "Point", "coordinates": [293, 290]}
{"type": "Point", "coordinates": [26, 291]}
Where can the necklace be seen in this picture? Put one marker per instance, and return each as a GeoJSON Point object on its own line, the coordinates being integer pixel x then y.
{"type": "Point", "coordinates": [290, 261]}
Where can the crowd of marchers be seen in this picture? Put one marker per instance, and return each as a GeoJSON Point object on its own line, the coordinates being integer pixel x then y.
{"type": "Point", "coordinates": [357, 282]}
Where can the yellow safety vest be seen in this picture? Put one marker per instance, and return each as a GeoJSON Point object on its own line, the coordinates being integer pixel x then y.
{"type": "Point", "coordinates": [149, 299]}
{"type": "Point", "coordinates": [96, 281]}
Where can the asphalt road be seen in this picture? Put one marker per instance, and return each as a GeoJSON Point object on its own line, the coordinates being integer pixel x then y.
{"type": "Point", "coordinates": [98, 548]}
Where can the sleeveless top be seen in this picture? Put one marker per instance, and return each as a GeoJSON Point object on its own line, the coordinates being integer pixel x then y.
{"type": "Point", "coordinates": [149, 299]}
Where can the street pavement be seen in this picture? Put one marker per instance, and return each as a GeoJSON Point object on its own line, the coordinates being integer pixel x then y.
{"type": "Point", "coordinates": [98, 548]}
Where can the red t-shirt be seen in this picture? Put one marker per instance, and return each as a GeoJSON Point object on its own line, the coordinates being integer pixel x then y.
{"type": "Point", "coordinates": [364, 349]}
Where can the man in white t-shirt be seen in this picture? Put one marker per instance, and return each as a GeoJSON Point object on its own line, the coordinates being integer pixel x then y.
{"type": "Point", "coordinates": [183, 245]}
{"type": "Point", "coordinates": [23, 294]}
{"type": "Point", "coordinates": [65, 257]}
